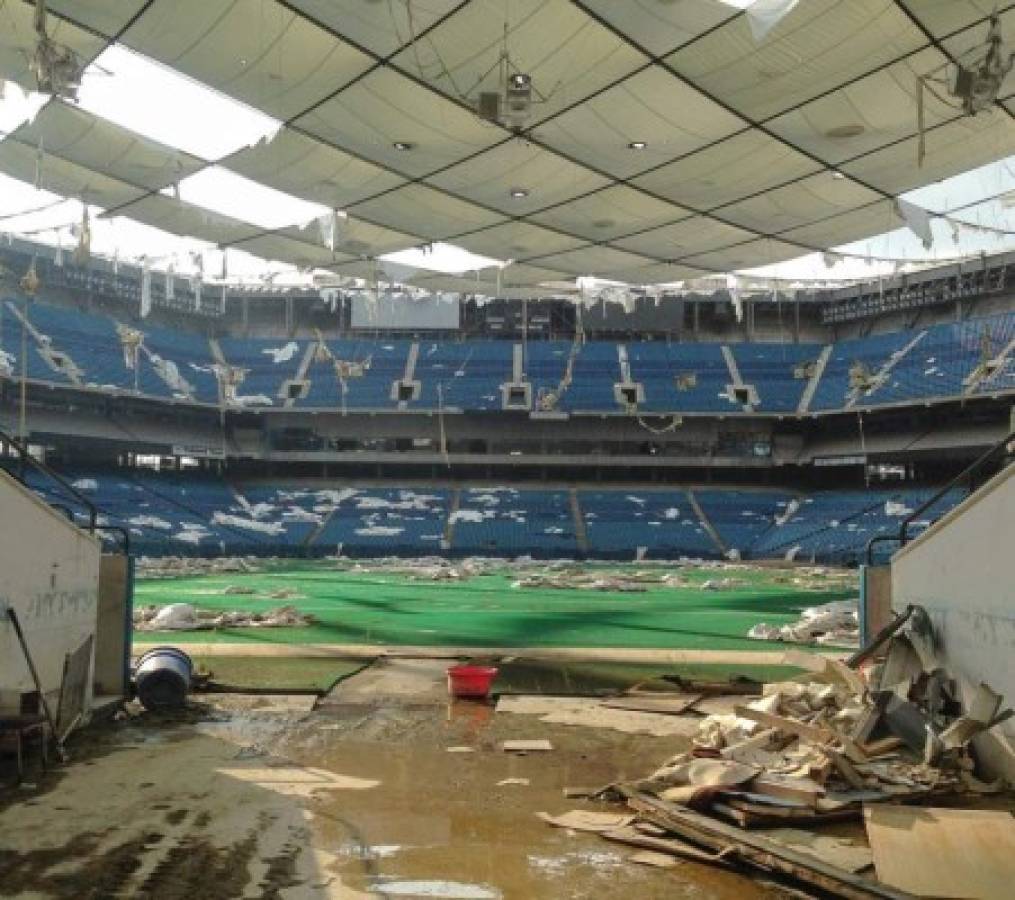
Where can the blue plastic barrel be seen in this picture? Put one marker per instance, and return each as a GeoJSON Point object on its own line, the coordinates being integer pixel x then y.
{"type": "Point", "coordinates": [162, 678]}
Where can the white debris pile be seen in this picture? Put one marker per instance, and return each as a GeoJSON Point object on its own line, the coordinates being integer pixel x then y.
{"type": "Point", "coordinates": [184, 617]}
{"type": "Point", "coordinates": [282, 354]}
{"type": "Point", "coordinates": [723, 584]}
{"type": "Point", "coordinates": [221, 518]}
{"type": "Point", "coordinates": [833, 624]}
{"type": "Point", "coordinates": [7, 363]}
{"type": "Point", "coordinates": [185, 566]}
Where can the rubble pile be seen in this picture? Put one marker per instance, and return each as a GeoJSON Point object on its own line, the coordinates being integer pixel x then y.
{"type": "Point", "coordinates": [824, 747]}
{"type": "Point", "coordinates": [184, 617]}
{"type": "Point", "coordinates": [834, 624]}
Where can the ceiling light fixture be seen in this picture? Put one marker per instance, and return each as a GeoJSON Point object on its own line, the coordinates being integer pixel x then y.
{"type": "Point", "coordinates": [403, 146]}
{"type": "Point", "coordinates": [838, 176]}
{"type": "Point", "coordinates": [519, 193]}
{"type": "Point", "coordinates": [637, 145]}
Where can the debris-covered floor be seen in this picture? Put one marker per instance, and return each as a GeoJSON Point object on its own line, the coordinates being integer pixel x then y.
{"type": "Point", "coordinates": [577, 781]}
{"type": "Point", "coordinates": [384, 789]}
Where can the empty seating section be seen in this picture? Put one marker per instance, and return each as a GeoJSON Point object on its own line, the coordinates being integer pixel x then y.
{"type": "Point", "coordinates": [170, 513]}
{"type": "Point", "coordinates": [771, 369]}
{"type": "Point", "coordinates": [383, 521]}
{"type": "Point", "coordinates": [741, 518]}
{"type": "Point", "coordinates": [935, 362]}
{"type": "Point", "coordinates": [595, 372]}
{"type": "Point", "coordinates": [833, 390]}
{"type": "Point", "coordinates": [835, 526]}
{"type": "Point", "coordinates": [938, 365]}
{"type": "Point", "coordinates": [502, 521]}
{"type": "Point", "coordinates": [465, 375]}
{"type": "Point", "coordinates": [682, 377]}
{"type": "Point", "coordinates": [268, 364]}
{"type": "Point", "coordinates": [372, 367]}
{"type": "Point", "coordinates": [618, 523]}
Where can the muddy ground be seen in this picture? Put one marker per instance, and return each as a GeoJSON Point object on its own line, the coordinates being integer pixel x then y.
{"type": "Point", "coordinates": [261, 797]}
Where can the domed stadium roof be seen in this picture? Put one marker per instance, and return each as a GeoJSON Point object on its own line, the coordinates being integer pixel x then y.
{"type": "Point", "coordinates": [644, 141]}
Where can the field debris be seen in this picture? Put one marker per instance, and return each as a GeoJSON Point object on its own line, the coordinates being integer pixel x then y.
{"type": "Point", "coordinates": [834, 624]}
{"type": "Point", "coordinates": [822, 747]}
{"type": "Point", "coordinates": [191, 566]}
{"type": "Point", "coordinates": [184, 617]}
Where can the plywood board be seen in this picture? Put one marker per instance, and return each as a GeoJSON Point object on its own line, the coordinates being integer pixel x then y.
{"type": "Point", "coordinates": [943, 852]}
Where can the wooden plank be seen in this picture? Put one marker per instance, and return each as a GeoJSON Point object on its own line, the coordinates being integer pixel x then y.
{"type": "Point", "coordinates": [943, 852]}
{"type": "Point", "coordinates": [526, 746]}
{"type": "Point", "coordinates": [756, 849]}
{"type": "Point", "coordinates": [635, 838]}
{"type": "Point", "coordinates": [801, 729]}
{"type": "Point", "coordinates": [669, 704]}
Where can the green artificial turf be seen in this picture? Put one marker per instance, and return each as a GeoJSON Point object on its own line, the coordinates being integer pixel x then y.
{"type": "Point", "coordinates": [486, 611]}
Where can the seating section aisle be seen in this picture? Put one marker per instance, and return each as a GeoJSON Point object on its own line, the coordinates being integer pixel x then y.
{"type": "Point", "coordinates": [770, 368]}
{"type": "Point", "coordinates": [618, 523]}
{"type": "Point", "coordinates": [467, 375]}
{"type": "Point", "coordinates": [741, 518]}
{"type": "Point", "coordinates": [502, 521]}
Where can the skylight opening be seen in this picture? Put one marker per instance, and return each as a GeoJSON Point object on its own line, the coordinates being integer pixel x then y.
{"type": "Point", "coordinates": [17, 107]}
{"type": "Point", "coordinates": [145, 97]}
{"type": "Point", "coordinates": [445, 258]}
{"type": "Point", "coordinates": [219, 190]}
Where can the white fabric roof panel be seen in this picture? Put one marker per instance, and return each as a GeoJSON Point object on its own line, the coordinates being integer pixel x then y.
{"type": "Point", "coordinates": [746, 256]}
{"type": "Point", "coordinates": [819, 45]}
{"type": "Point", "coordinates": [64, 177]}
{"type": "Point", "coordinates": [312, 170]}
{"type": "Point", "coordinates": [104, 16]}
{"type": "Point", "coordinates": [381, 27]}
{"type": "Point", "coordinates": [383, 108]}
{"type": "Point", "coordinates": [101, 146]}
{"type": "Point", "coordinates": [425, 211]}
{"type": "Point", "coordinates": [866, 115]}
{"type": "Point", "coordinates": [809, 200]}
{"type": "Point", "coordinates": [488, 179]}
{"type": "Point", "coordinates": [180, 218]}
{"type": "Point", "coordinates": [942, 17]}
{"type": "Point", "coordinates": [737, 167]}
{"type": "Point", "coordinates": [257, 52]}
{"type": "Point", "coordinates": [832, 86]}
{"type": "Point", "coordinates": [606, 214]}
{"type": "Point", "coordinates": [284, 248]}
{"type": "Point", "coordinates": [662, 26]}
{"type": "Point", "coordinates": [593, 260]}
{"type": "Point", "coordinates": [517, 240]}
{"type": "Point", "coordinates": [960, 145]}
{"type": "Point", "coordinates": [652, 106]}
{"type": "Point", "coordinates": [875, 218]}
{"type": "Point", "coordinates": [661, 273]}
{"type": "Point", "coordinates": [568, 55]}
{"type": "Point", "coordinates": [693, 235]}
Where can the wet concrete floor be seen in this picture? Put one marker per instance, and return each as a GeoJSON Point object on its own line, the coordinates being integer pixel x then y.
{"type": "Point", "coordinates": [358, 798]}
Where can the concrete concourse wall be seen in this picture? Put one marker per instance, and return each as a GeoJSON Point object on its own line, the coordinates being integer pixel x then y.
{"type": "Point", "coordinates": [962, 571]}
{"type": "Point", "coordinates": [49, 574]}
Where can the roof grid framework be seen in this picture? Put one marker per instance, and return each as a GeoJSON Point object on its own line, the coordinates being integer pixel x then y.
{"type": "Point", "coordinates": [741, 137]}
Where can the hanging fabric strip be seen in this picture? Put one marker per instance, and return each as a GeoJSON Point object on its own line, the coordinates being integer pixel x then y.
{"type": "Point", "coordinates": [146, 290]}
{"type": "Point", "coordinates": [917, 220]}
{"type": "Point", "coordinates": [764, 15]}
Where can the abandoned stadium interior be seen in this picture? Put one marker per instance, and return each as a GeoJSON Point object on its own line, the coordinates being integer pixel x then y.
{"type": "Point", "coordinates": [506, 449]}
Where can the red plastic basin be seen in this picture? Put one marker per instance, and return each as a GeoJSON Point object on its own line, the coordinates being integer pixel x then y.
{"type": "Point", "coordinates": [470, 681]}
